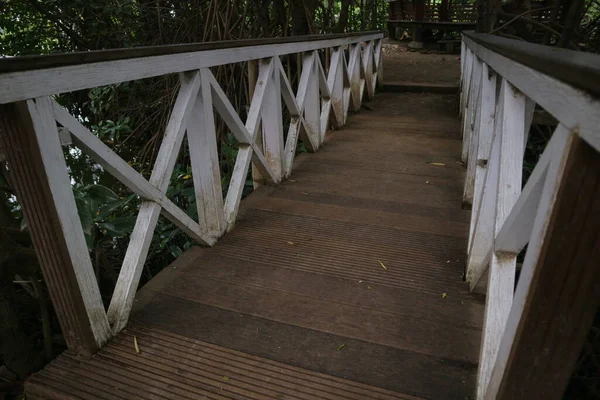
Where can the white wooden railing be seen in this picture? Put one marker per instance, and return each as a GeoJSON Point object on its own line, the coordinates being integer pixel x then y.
{"type": "Point", "coordinates": [523, 353]}
{"type": "Point", "coordinates": [30, 137]}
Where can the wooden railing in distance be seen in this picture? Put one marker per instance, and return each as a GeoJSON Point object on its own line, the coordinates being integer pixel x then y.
{"type": "Point", "coordinates": [30, 137]}
{"type": "Point", "coordinates": [532, 334]}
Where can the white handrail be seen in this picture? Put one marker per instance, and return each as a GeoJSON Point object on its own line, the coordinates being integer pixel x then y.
{"type": "Point", "coordinates": [498, 98]}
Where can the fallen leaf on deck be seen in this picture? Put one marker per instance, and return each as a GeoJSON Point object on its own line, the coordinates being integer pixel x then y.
{"type": "Point", "coordinates": [341, 346]}
{"type": "Point", "coordinates": [384, 267]}
{"type": "Point", "coordinates": [225, 378]}
{"type": "Point", "coordinates": [292, 180]}
{"type": "Point", "coordinates": [369, 287]}
{"type": "Point", "coordinates": [444, 295]}
{"type": "Point", "coordinates": [426, 181]}
{"type": "Point", "coordinates": [305, 194]}
{"type": "Point", "coordinates": [441, 164]}
{"type": "Point", "coordinates": [135, 345]}
{"type": "Point", "coordinates": [290, 243]}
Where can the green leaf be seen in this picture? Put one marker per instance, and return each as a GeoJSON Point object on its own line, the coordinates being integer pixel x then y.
{"type": "Point", "coordinates": [118, 227]}
{"type": "Point", "coordinates": [175, 250]}
{"type": "Point", "coordinates": [85, 214]}
{"type": "Point", "coordinates": [90, 239]}
{"type": "Point", "coordinates": [108, 208]}
{"type": "Point", "coordinates": [167, 237]}
{"type": "Point", "coordinates": [100, 194]}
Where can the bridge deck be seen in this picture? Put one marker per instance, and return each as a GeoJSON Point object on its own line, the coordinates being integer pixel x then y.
{"type": "Point", "coordinates": [294, 302]}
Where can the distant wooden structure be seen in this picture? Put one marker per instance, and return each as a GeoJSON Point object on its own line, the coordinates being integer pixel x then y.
{"type": "Point", "coordinates": [442, 15]}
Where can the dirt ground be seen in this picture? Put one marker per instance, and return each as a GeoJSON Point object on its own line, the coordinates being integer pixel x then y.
{"type": "Point", "coordinates": [426, 66]}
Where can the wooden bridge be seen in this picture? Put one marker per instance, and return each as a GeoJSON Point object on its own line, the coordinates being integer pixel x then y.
{"type": "Point", "coordinates": [342, 275]}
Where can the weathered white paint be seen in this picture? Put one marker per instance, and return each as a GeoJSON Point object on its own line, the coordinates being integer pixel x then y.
{"type": "Point", "coordinates": [485, 133]}
{"type": "Point", "coordinates": [473, 137]}
{"type": "Point", "coordinates": [572, 107]}
{"type": "Point", "coordinates": [306, 100]}
{"type": "Point", "coordinates": [335, 83]}
{"type": "Point", "coordinates": [503, 265]}
{"type": "Point", "coordinates": [472, 106]}
{"type": "Point", "coordinates": [466, 82]}
{"type": "Point", "coordinates": [325, 100]}
{"type": "Point", "coordinates": [46, 133]}
{"type": "Point", "coordinates": [143, 231]}
{"type": "Point", "coordinates": [483, 235]}
{"type": "Point", "coordinates": [204, 158]}
{"type": "Point", "coordinates": [562, 139]}
{"type": "Point", "coordinates": [516, 231]}
{"type": "Point", "coordinates": [240, 169]}
{"type": "Point", "coordinates": [272, 121]}
{"type": "Point", "coordinates": [23, 85]}
{"type": "Point", "coordinates": [354, 73]}
{"type": "Point", "coordinates": [117, 167]}
{"type": "Point", "coordinates": [309, 100]}
{"type": "Point", "coordinates": [237, 127]}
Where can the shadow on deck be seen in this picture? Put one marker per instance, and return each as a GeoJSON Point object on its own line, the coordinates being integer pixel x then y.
{"type": "Point", "coordinates": [295, 302]}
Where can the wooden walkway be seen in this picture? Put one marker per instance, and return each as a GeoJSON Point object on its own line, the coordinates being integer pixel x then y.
{"type": "Point", "coordinates": [343, 282]}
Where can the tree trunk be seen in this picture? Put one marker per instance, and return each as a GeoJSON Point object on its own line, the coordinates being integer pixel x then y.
{"type": "Point", "coordinates": [343, 21]}
{"type": "Point", "coordinates": [573, 19]}
{"type": "Point", "coordinates": [300, 23]}
{"type": "Point", "coordinates": [374, 16]}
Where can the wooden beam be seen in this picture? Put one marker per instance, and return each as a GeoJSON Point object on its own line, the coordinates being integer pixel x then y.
{"type": "Point", "coordinates": [501, 281]}
{"type": "Point", "coordinates": [15, 86]}
{"type": "Point", "coordinates": [483, 233]}
{"type": "Point", "coordinates": [354, 75]}
{"type": "Point", "coordinates": [472, 106]}
{"type": "Point", "coordinates": [242, 162]}
{"type": "Point", "coordinates": [204, 157]}
{"type": "Point", "coordinates": [272, 120]}
{"type": "Point", "coordinates": [485, 134]}
{"type": "Point", "coordinates": [44, 190]}
{"type": "Point", "coordinates": [558, 293]}
{"type": "Point", "coordinates": [257, 178]}
{"type": "Point", "coordinates": [335, 83]}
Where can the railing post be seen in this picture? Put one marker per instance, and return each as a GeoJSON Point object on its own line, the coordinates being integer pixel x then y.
{"type": "Point", "coordinates": [466, 81]}
{"type": "Point", "coordinates": [272, 122]}
{"type": "Point", "coordinates": [257, 178]}
{"type": "Point", "coordinates": [204, 158]}
{"type": "Point", "coordinates": [354, 75]}
{"type": "Point", "coordinates": [368, 66]}
{"type": "Point", "coordinates": [558, 293]}
{"type": "Point", "coordinates": [311, 101]}
{"type": "Point", "coordinates": [481, 144]}
{"type": "Point", "coordinates": [503, 265]}
{"type": "Point", "coordinates": [335, 82]}
{"type": "Point", "coordinates": [43, 188]}
{"type": "Point", "coordinates": [473, 106]}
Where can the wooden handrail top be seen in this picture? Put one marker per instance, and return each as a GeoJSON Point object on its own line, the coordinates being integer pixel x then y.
{"type": "Point", "coordinates": [26, 63]}
{"type": "Point", "coordinates": [578, 69]}
{"type": "Point", "coordinates": [60, 73]}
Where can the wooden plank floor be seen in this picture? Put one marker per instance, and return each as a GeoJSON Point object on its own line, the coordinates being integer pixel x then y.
{"type": "Point", "coordinates": [294, 303]}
